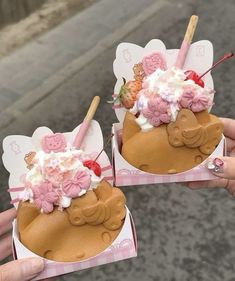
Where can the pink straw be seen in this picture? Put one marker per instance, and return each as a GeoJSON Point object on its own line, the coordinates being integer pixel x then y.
{"type": "Point", "coordinates": [183, 51]}
{"type": "Point", "coordinates": [86, 122]}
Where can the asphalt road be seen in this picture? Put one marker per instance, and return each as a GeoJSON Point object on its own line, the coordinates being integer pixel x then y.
{"type": "Point", "coordinates": [182, 234]}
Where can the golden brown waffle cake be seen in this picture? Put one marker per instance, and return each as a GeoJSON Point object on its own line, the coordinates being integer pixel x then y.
{"type": "Point", "coordinates": [81, 231]}
{"type": "Point", "coordinates": [171, 148]}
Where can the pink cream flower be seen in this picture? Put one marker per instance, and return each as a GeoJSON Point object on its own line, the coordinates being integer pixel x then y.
{"type": "Point", "coordinates": [157, 111]}
{"type": "Point", "coordinates": [81, 180]}
{"type": "Point", "coordinates": [44, 196]}
{"type": "Point", "coordinates": [193, 101]}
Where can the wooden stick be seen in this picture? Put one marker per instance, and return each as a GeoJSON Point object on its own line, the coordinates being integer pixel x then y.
{"type": "Point", "coordinates": [86, 122]}
{"type": "Point", "coordinates": [188, 37]}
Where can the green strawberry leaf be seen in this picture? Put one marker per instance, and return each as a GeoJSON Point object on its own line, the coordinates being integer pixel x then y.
{"type": "Point", "coordinates": [122, 92]}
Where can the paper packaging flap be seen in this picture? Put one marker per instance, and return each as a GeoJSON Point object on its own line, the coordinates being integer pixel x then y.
{"type": "Point", "coordinates": [16, 148]}
{"type": "Point", "coordinates": [199, 59]}
{"type": "Point", "coordinates": [126, 174]}
{"type": "Point", "coordinates": [123, 247]}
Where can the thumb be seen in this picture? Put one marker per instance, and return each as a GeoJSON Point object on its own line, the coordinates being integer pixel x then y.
{"type": "Point", "coordinates": [223, 167]}
{"type": "Point", "coordinates": [21, 270]}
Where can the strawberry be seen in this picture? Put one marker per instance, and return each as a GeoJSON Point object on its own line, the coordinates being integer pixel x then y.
{"type": "Point", "coordinates": [127, 99]}
{"type": "Point", "coordinates": [128, 93]}
{"type": "Point", "coordinates": [133, 86]}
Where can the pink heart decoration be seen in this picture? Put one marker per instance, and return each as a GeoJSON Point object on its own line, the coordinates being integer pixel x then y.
{"type": "Point", "coordinates": [152, 62]}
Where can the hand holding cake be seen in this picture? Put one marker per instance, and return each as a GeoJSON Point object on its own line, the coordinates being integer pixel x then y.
{"type": "Point", "coordinates": [223, 167]}
{"type": "Point", "coordinates": [22, 270]}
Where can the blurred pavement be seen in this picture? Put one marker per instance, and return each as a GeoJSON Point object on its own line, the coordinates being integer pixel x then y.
{"type": "Point", "coordinates": [182, 235]}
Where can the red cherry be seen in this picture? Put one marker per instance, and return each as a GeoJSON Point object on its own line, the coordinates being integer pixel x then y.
{"type": "Point", "coordinates": [200, 82]}
{"type": "Point", "coordinates": [94, 166]}
{"type": "Point", "coordinates": [192, 75]}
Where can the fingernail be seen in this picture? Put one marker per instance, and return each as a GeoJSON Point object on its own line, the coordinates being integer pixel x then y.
{"type": "Point", "coordinates": [215, 165]}
{"type": "Point", "coordinates": [32, 266]}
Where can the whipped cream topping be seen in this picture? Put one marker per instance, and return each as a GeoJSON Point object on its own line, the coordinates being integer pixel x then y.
{"type": "Point", "coordinates": [57, 177]}
{"type": "Point", "coordinates": [164, 93]}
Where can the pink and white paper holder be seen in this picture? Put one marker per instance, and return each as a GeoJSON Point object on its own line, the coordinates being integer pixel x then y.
{"type": "Point", "coordinates": [199, 59]}
{"type": "Point", "coordinates": [16, 147]}
{"type": "Point", "coordinates": [123, 247]}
